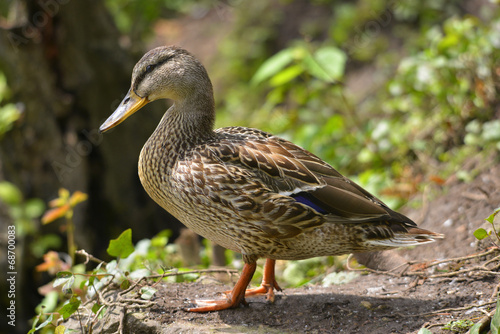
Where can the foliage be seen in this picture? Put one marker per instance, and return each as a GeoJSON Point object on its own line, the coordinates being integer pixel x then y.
{"type": "Point", "coordinates": [494, 323]}
{"type": "Point", "coordinates": [458, 326]}
{"type": "Point", "coordinates": [424, 331]}
{"type": "Point", "coordinates": [482, 233]}
{"type": "Point", "coordinates": [435, 107]}
{"type": "Point", "coordinates": [63, 206]}
{"type": "Point", "coordinates": [75, 287]}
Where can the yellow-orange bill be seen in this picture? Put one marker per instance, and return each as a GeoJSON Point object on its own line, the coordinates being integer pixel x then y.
{"type": "Point", "coordinates": [129, 105]}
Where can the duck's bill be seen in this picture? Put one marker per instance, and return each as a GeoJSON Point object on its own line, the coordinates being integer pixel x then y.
{"type": "Point", "coordinates": [129, 105]}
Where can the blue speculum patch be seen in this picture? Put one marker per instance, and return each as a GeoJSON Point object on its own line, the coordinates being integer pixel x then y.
{"type": "Point", "coordinates": [308, 200]}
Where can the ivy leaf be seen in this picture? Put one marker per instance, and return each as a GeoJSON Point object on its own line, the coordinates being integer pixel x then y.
{"type": "Point", "coordinates": [424, 331]}
{"type": "Point", "coordinates": [147, 292]}
{"type": "Point", "coordinates": [66, 289]}
{"type": "Point", "coordinates": [125, 284]}
{"type": "Point", "coordinates": [122, 246]}
{"type": "Point", "coordinates": [62, 277]}
{"type": "Point", "coordinates": [96, 307]}
{"type": "Point", "coordinates": [481, 234]}
{"type": "Point", "coordinates": [68, 309]}
{"type": "Point", "coordinates": [492, 216]}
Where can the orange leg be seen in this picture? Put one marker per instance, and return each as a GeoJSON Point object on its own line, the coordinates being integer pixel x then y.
{"type": "Point", "coordinates": [236, 296]}
{"type": "Point", "coordinates": [268, 283]}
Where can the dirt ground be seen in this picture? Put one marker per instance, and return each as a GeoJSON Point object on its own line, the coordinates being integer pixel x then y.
{"type": "Point", "coordinates": [377, 303]}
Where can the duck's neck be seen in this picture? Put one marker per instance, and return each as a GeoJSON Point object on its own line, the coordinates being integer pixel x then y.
{"type": "Point", "coordinates": [187, 123]}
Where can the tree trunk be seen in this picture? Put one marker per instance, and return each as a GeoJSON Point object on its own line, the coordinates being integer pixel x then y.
{"type": "Point", "coordinates": [67, 72]}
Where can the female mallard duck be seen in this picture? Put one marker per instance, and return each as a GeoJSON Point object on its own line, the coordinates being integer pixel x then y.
{"type": "Point", "coordinates": [245, 189]}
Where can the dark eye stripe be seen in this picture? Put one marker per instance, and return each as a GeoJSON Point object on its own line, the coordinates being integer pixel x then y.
{"type": "Point", "coordinates": [149, 68]}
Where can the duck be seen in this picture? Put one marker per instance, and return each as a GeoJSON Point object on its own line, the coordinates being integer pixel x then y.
{"type": "Point", "coordinates": [245, 189]}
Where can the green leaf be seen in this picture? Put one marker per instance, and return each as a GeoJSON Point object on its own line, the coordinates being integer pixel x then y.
{"type": "Point", "coordinates": [34, 207]}
{"type": "Point", "coordinates": [332, 60]}
{"type": "Point", "coordinates": [286, 75]}
{"type": "Point", "coordinates": [62, 277]}
{"type": "Point", "coordinates": [147, 292]}
{"type": "Point", "coordinates": [10, 194]}
{"type": "Point", "coordinates": [122, 246]}
{"type": "Point", "coordinates": [125, 284]}
{"type": "Point", "coordinates": [315, 69]}
{"type": "Point", "coordinates": [475, 329]}
{"type": "Point", "coordinates": [96, 307]}
{"type": "Point", "coordinates": [68, 309]}
{"type": "Point", "coordinates": [273, 65]}
{"type": "Point", "coordinates": [424, 331]}
{"type": "Point", "coordinates": [495, 321]}
{"type": "Point", "coordinates": [42, 325]}
{"type": "Point", "coordinates": [66, 289]}
{"type": "Point", "coordinates": [481, 233]}
{"type": "Point", "coordinates": [492, 216]}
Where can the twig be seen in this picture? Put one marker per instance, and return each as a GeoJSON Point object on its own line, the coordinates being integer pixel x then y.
{"type": "Point", "coordinates": [456, 309]}
{"type": "Point", "coordinates": [178, 273]}
{"type": "Point", "coordinates": [478, 269]}
{"type": "Point", "coordinates": [123, 313]}
{"type": "Point", "coordinates": [89, 257]}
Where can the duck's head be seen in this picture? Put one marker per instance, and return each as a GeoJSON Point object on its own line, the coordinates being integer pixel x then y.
{"type": "Point", "coordinates": [166, 72]}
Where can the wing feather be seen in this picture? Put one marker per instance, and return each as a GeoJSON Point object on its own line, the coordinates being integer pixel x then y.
{"type": "Point", "coordinates": [272, 175]}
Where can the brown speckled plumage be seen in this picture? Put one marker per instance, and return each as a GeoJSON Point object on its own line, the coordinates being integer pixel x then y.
{"type": "Point", "coordinates": [247, 190]}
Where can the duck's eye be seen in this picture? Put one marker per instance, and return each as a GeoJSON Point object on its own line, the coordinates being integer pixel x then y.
{"type": "Point", "coordinates": [149, 68]}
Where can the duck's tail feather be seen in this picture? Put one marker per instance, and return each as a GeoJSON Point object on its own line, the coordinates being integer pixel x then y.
{"type": "Point", "coordinates": [412, 237]}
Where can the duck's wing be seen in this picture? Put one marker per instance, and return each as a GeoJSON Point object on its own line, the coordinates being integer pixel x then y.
{"type": "Point", "coordinates": [289, 170]}
{"type": "Point", "coordinates": [281, 190]}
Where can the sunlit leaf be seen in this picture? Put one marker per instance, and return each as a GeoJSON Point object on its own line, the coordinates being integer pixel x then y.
{"type": "Point", "coordinates": [122, 246]}
{"type": "Point", "coordinates": [491, 218]}
{"type": "Point", "coordinates": [68, 309]}
{"type": "Point", "coordinates": [67, 287]}
{"type": "Point", "coordinates": [62, 277]}
{"type": "Point", "coordinates": [332, 60]}
{"type": "Point", "coordinates": [54, 214]}
{"type": "Point", "coordinates": [60, 329]}
{"type": "Point", "coordinates": [424, 331]}
{"type": "Point", "coordinates": [76, 198]}
{"type": "Point", "coordinates": [64, 194]}
{"type": "Point", "coordinates": [286, 75]}
{"type": "Point", "coordinates": [10, 194]}
{"type": "Point", "coordinates": [147, 292]}
{"type": "Point", "coordinates": [51, 263]}
{"type": "Point", "coordinates": [273, 65]}
{"type": "Point", "coordinates": [42, 325]}
{"type": "Point", "coordinates": [481, 234]}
